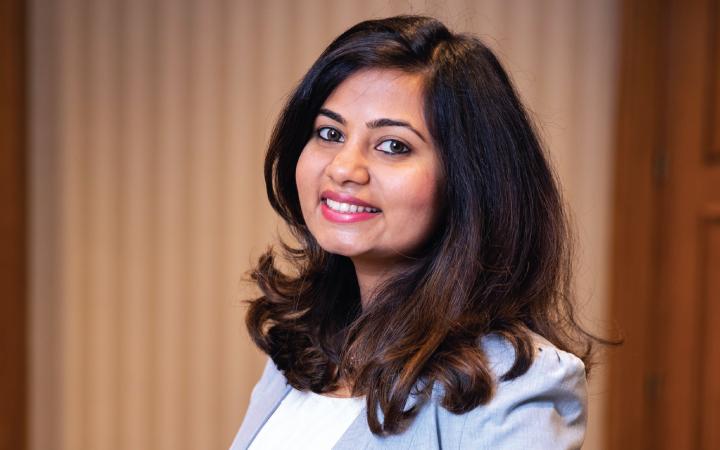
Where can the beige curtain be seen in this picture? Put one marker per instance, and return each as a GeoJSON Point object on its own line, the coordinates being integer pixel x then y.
{"type": "Point", "coordinates": [149, 120]}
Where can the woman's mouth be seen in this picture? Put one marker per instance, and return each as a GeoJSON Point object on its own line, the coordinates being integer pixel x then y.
{"type": "Point", "coordinates": [343, 208]}
{"type": "Point", "coordinates": [348, 207]}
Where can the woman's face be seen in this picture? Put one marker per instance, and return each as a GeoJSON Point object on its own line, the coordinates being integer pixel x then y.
{"type": "Point", "coordinates": [369, 177]}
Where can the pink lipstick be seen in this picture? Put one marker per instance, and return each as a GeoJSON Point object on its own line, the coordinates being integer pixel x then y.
{"type": "Point", "coordinates": [344, 208]}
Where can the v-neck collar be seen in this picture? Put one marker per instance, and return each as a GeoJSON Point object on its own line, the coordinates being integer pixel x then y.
{"type": "Point", "coordinates": [272, 396]}
{"type": "Point", "coordinates": [358, 431]}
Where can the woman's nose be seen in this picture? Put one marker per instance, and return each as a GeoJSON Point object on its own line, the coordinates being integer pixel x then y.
{"type": "Point", "coordinates": [349, 166]}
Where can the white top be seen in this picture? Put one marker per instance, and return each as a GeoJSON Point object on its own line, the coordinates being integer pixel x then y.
{"type": "Point", "coordinates": [308, 420]}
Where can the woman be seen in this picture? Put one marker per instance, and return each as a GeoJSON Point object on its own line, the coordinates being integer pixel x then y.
{"type": "Point", "coordinates": [429, 306]}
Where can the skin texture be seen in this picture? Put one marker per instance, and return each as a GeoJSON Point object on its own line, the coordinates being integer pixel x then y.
{"type": "Point", "coordinates": [394, 168]}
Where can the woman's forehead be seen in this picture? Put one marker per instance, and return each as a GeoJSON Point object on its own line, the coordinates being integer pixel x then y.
{"type": "Point", "coordinates": [374, 93]}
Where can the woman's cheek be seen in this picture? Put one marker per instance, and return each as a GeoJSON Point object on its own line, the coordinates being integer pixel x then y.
{"type": "Point", "coordinates": [424, 190]}
{"type": "Point", "coordinates": [304, 180]}
{"type": "Point", "coordinates": [423, 200]}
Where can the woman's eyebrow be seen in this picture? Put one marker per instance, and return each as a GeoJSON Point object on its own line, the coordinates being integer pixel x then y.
{"type": "Point", "coordinates": [377, 123]}
{"type": "Point", "coordinates": [331, 114]}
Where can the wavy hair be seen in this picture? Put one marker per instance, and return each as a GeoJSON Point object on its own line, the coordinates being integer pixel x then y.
{"type": "Point", "coordinates": [499, 261]}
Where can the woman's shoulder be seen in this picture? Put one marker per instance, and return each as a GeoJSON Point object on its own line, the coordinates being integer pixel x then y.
{"type": "Point", "coordinates": [547, 357]}
{"type": "Point", "coordinates": [552, 368]}
{"type": "Point", "coordinates": [546, 407]}
{"type": "Point", "coordinates": [543, 408]}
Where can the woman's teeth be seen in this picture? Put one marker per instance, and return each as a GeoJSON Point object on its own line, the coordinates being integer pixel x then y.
{"type": "Point", "coordinates": [348, 208]}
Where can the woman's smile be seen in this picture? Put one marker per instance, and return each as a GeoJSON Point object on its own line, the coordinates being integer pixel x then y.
{"type": "Point", "coordinates": [343, 208]}
{"type": "Point", "coordinates": [368, 178]}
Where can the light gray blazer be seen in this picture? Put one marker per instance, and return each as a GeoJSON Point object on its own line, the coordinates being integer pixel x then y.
{"type": "Point", "coordinates": [546, 408]}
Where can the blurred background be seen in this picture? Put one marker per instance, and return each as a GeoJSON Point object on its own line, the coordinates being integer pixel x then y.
{"type": "Point", "coordinates": [133, 135]}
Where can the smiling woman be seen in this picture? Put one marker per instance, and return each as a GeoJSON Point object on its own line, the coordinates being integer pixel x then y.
{"type": "Point", "coordinates": [430, 307]}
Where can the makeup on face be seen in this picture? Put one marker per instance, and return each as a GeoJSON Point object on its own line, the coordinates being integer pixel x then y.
{"type": "Point", "coordinates": [368, 178]}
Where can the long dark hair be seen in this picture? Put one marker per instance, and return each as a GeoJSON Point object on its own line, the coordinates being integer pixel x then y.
{"type": "Point", "coordinates": [500, 261]}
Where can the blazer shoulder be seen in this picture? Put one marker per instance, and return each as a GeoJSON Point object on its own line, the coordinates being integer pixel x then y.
{"type": "Point", "coordinates": [546, 407]}
{"type": "Point", "coordinates": [501, 355]}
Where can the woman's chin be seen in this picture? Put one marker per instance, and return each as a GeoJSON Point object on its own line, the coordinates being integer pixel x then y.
{"type": "Point", "coordinates": [351, 251]}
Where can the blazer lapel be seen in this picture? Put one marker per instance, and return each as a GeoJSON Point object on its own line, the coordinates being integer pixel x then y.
{"type": "Point", "coordinates": [422, 433]}
{"type": "Point", "coordinates": [357, 435]}
{"type": "Point", "coordinates": [264, 403]}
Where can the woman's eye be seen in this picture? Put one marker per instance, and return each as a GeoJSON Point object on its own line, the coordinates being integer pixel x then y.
{"type": "Point", "coordinates": [329, 134]}
{"type": "Point", "coordinates": [393, 147]}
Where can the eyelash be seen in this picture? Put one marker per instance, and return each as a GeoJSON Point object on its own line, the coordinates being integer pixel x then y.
{"type": "Point", "coordinates": [319, 133]}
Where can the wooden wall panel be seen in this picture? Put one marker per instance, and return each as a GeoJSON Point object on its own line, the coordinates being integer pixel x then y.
{"type": "Point", "coordinates": [709, 373]}
{"type": "Point", "coordinates": [633, 381]}
{"type": "Point", "coordinates": [713, 125]}
{"type": "Point", "coordinates": [664, 246]}
{"type": "Point", "coordinates": [13, 226]}
{"type": "Point", "coordinates": [709, 316]}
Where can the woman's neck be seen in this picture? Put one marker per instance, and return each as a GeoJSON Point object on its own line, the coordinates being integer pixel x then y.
{"type": "Point", "coordinates": [370, 275]}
